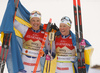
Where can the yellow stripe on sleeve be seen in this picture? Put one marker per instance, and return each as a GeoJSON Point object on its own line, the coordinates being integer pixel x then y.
{"type": "Point", "coordinates": [23, 22]}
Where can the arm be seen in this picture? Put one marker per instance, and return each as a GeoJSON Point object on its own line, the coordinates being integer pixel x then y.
{"type": "Point", "coordinates": [22, 28]}
{"type": "Point", "coordinates": [88, 53]}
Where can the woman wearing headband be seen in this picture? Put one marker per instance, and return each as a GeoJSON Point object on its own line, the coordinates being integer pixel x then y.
{"type": "Point", "coordinates": [32, 39]}
{"type": "Point", "coordinates": [65, 48]}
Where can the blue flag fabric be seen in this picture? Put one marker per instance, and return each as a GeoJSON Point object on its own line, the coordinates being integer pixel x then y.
{"type": "Point", "coordinates": [14, 61]}
{"type": "Point", "coordinates": [8, 18]}
{"type": "Point", "coordinates": [22, 12]}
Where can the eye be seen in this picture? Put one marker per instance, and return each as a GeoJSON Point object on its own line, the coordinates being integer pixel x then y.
{"type": "Point", "coordinates": [33, 20]}
{"type": "Point", "coordinates": [38, 20]}
{"type": "Point", "coordinates": [64, 26]}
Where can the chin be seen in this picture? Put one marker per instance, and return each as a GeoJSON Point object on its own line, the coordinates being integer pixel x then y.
{"type": "Point", "coordinates": [36, 28]}
{"type": "Point", "coordinates": [62, 33]}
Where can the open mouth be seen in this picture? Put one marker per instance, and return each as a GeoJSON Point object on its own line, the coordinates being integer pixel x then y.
{"type": "Point", "coordinates": [62, 30]}
{"type": "Point", "coordinates": [35, 26]}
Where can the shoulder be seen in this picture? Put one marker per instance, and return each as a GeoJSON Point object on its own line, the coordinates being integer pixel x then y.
{"type": "Point", "coordinates": [57, 36]}
{"type": "Point", "coordinates": [58, 33]}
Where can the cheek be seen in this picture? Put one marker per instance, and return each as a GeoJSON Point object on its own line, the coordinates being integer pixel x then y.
{"type": "Point", "coordinates": [67, 29]}
{"type": "Point", "coordinates": [60, 29]}
{"type": "Point", "coordinates": [31, 22]}
{"type": "Point", "coordinates": [39, 23]}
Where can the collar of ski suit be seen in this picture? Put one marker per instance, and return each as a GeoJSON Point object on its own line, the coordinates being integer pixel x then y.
{"type": "Point", "coordinates": [36, 31]}
{"type": "Point", "coordinates": [63, 36]}
{"type": "Point", "coordinates": [72, 35]}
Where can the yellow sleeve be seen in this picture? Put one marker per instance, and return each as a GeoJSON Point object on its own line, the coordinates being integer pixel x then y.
{"type": "Point", "coordinates": [87, 54]}
{"type": "Point", "coordinates": [18, 33]}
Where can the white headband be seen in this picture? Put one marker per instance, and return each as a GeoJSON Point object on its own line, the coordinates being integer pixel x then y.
{"type": "Point", "coordinates": [66, 22]}
{"type": "Point", "coordinates": [35, 15]}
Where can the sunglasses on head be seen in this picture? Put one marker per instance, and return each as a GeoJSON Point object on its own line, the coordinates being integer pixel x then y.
{"type": "Point", "coordinates": [35, 12]}
{"type": "Point", "coordinates": [66, 18]}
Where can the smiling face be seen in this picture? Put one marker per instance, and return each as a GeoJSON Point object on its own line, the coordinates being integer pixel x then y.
{"type": "Point", "coordinates": [64, 29]}
{"type": "Point", "coordinates": [35, 22]}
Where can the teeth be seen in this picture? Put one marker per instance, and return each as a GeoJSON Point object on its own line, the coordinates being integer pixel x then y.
{"type": "Point", "coordinates": [35, 25]}
{"type": "Point", "coordinates": [63, 30]}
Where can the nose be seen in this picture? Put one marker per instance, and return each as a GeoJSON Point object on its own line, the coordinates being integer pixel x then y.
{"type": "Point", "coordinates": [61, 28]}
{"type": "Point", "coordinates": [35, 22]}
